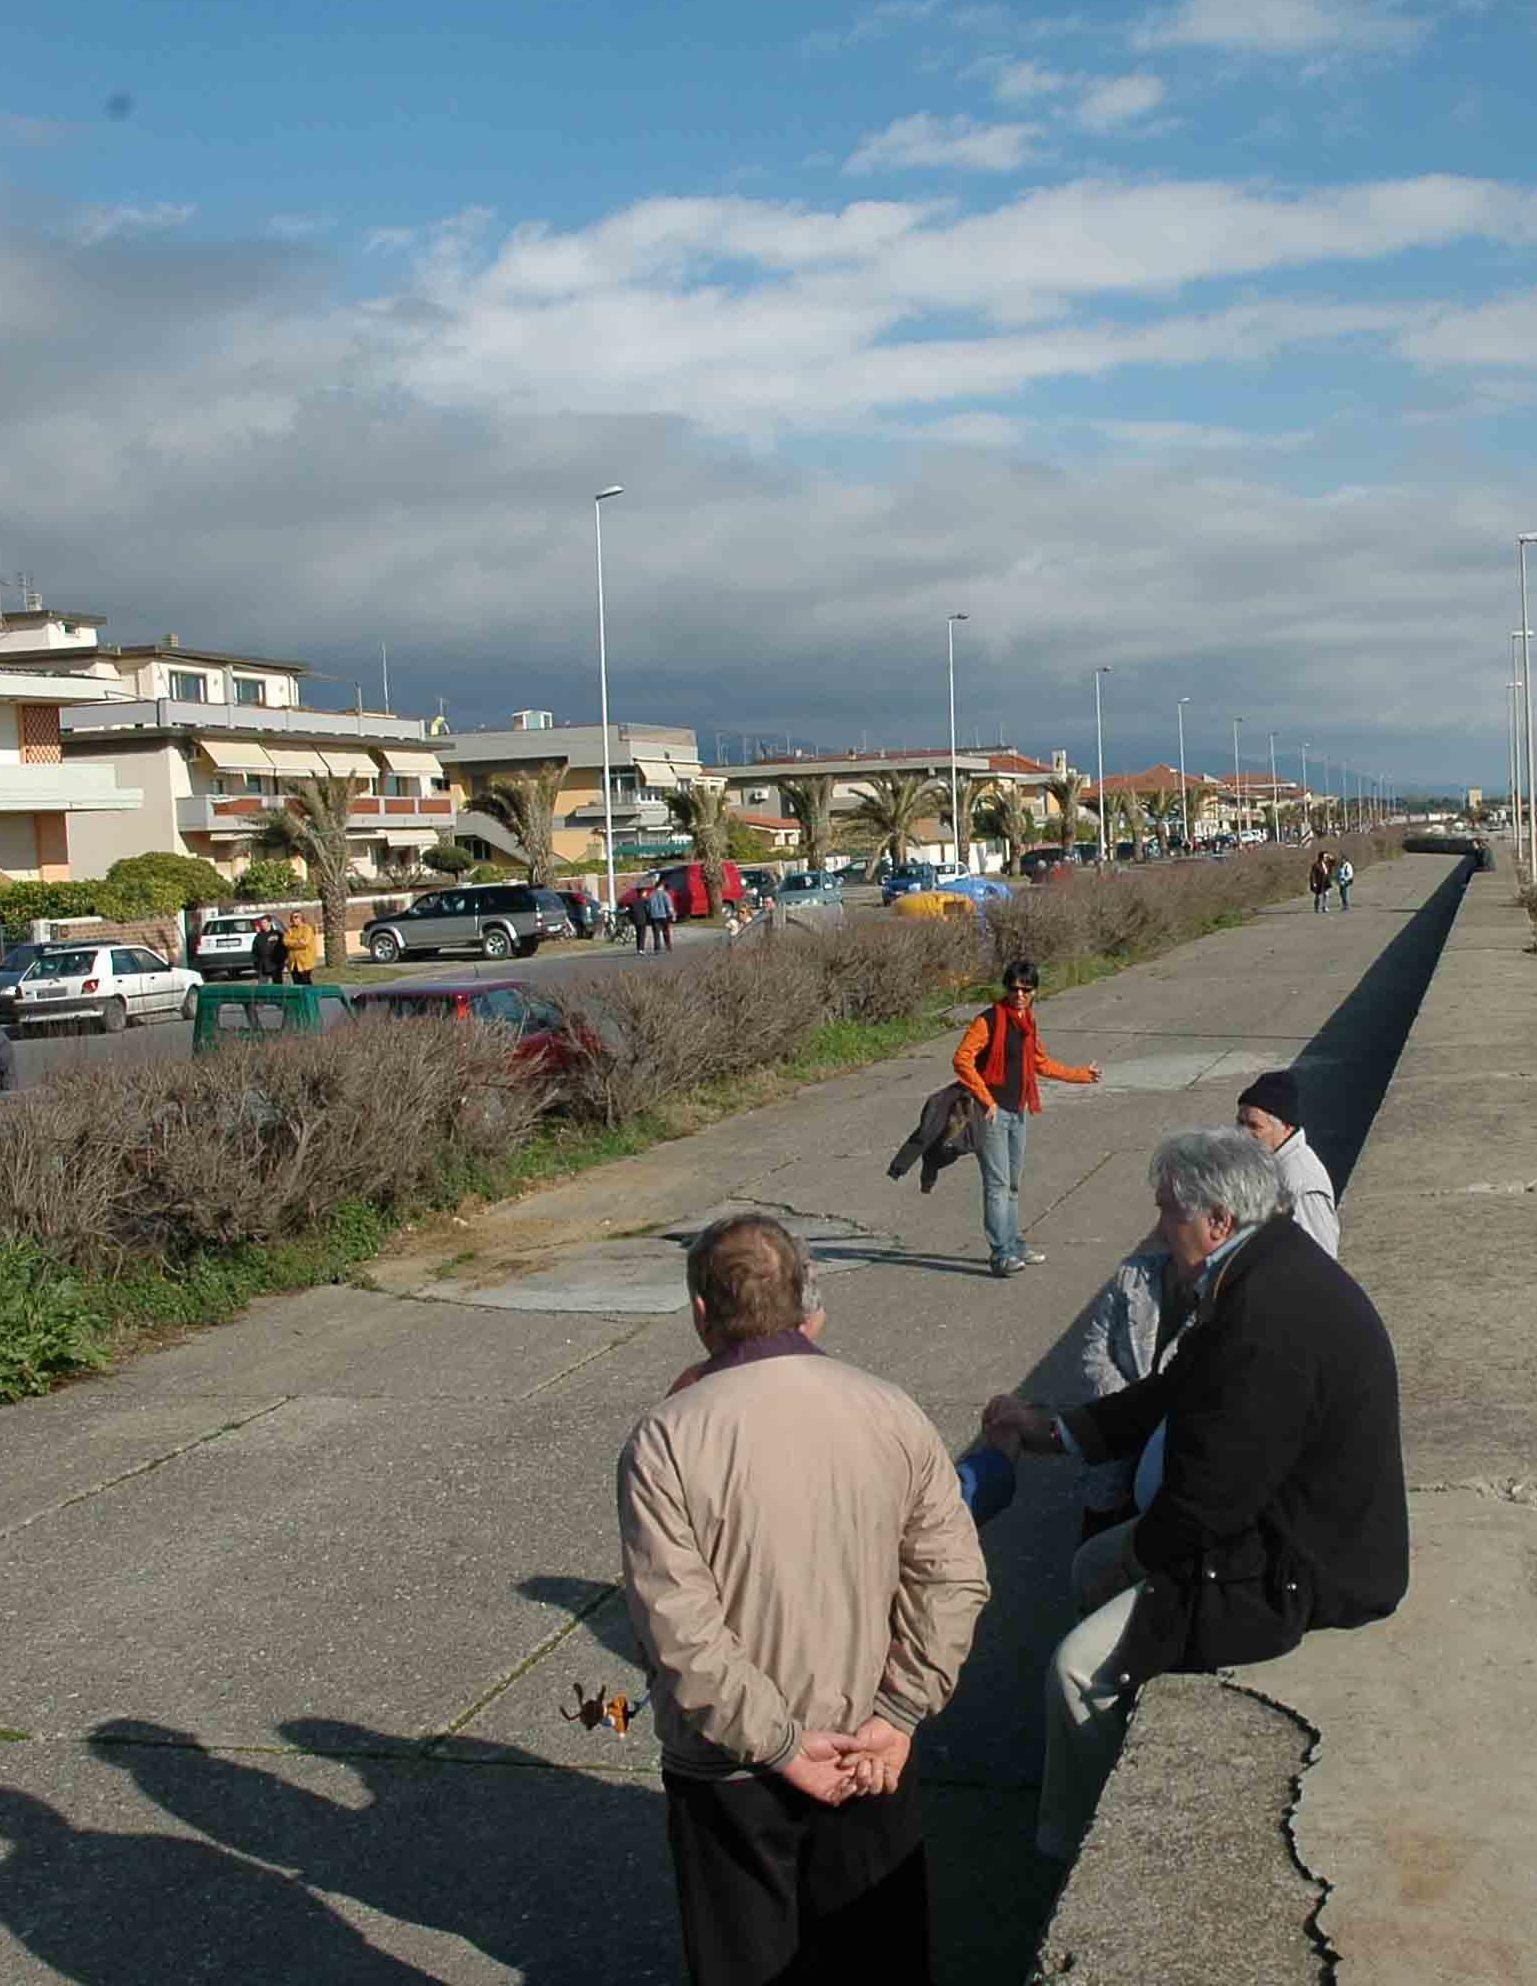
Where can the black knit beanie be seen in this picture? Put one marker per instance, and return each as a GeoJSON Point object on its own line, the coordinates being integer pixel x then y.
{"type": "Point", "coordinates": [1275, 1092]}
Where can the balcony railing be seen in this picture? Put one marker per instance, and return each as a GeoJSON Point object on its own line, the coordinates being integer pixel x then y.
{"type": "Point", "coordinates": [233, 813]}
{"type": "Point", "coordinates": [260, 720]}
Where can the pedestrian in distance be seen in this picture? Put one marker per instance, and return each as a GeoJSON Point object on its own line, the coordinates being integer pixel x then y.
{"type": "Point", "coordinates": [1270, 1485]}
{"type": "Point", "coordinates": [1321, 880]}
{"type": "Point", "coordinates": [1344, 876]}
{"type": "Point", "coordinates": [301, 943]}
{"type": "Point", "coordinates": [269, 952]}
{"type": "Point", "coordinates": [804, 1582]}
{"type": "Point", "coordinates": [659, 909]}
{"type": "Point", "coordinates": [640, 917]}
{"type": "Point", "coordinates": [1000, 1060]}
{"type": "Point", "coordinates": [1270, 1111]}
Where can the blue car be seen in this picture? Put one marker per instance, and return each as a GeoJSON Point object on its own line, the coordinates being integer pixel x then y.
{"type": "Point", "coordinates": [906, 879]}
{"type": "Point", "coordinates": [981, 889]}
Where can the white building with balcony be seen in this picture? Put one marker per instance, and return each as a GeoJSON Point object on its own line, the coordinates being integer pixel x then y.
{"type": "Point", "coordinates": [212, 740]}
{"type": "Point", "coordinates": [46, 669]}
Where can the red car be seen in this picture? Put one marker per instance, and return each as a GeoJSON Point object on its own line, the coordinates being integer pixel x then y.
{"type": "Point", "coordinates": [685, 885]}
{"type": "Point", "coordinates": [544, 1034]}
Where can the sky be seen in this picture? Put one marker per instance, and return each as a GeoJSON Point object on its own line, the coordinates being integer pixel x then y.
{"type": "Point", "coordinates": [1194, 340]}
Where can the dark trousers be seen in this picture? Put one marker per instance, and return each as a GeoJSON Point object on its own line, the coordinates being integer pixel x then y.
{"type": "Point", "coordinates": [640, 934]}
{"type": "Point", "coordinates": [778, 1890]}
{"type": "Point", "coordinates": [661, 933]}
{"type": "Point", "coordinates": [302, 978]}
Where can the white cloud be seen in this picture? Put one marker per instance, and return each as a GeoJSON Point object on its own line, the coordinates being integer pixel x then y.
{"type": "Point", "coordinates": [1014, 82]}
{"type": "Point", "coordinates": [873, 25]}
{"type": "Point", "coordinates": [1279, 27]}
{"type": "Point", "coordinates": [97, 224]}
{"type": "Point", "coordinates": [1501, 333]}
{"type": "Point", "coordinates": [1119, 100]}
{"type": "Point", "coordinates": [955, 142]}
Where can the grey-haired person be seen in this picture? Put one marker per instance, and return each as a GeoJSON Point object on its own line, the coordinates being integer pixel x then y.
{"type": "Point", "coordinates": [1269, 1486]}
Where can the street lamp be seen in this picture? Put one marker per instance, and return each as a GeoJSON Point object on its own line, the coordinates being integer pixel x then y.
{"type": "Point", "coordinates": [1184, 809]}
{"type": "Point", "coordinates": [1519, 676]}
{"type": "Point", "coordinates": [1307, 811]}
{"type": "Point", "coordinates": [615, 489]}
{"type": "Point", "coordinates": [1237, 782]}
{"type": "Point", "coordinates": [955, 812]}
{"type": "Point", "coordinates": [1275, 792]}
{"type": "Point", "coordinates": [1099, 740]}
{"type": "Point", "coordinates": [1526, 538]}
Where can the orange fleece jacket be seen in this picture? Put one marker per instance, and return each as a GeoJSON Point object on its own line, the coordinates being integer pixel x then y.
{"type": "Point", "coordinates": [974, 1046]}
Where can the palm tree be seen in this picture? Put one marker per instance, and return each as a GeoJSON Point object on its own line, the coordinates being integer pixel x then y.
{"type": "Point", "coordinates": [1162, 810]}
{"type": "Point", "coordinates": [700, 811]}
{"type": "Point", "coordinates": [1067, 790]}
{"type": "Point", "coordinates": [810, 801]}
{"type": "Point", "coordinates": [312, 824]}
{"type": "Point", "coordinates": [524, 804]}
{"type": "Point", "coordinates": [893, 807]}
{"type": "Point", "coordinates": [1006, 815]}
{"type": "Point", "coordinates": [1133, 814]}
{"type": "Point", "coordinates": [970, 788]}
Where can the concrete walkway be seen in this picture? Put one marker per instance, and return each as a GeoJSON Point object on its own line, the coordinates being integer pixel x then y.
{"type": "Point", "coordinates": [295, 1614]}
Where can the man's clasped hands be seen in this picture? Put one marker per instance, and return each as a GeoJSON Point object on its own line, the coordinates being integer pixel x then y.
{"type": "Point", "coordinates": [834, 1766]}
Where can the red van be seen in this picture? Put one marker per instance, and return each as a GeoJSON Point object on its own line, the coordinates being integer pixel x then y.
{"type": "Point", "coordinates": [685, 885]}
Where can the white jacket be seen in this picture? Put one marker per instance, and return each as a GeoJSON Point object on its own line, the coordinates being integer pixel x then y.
{"type": "Point", "coordinates": [1310, 1191]}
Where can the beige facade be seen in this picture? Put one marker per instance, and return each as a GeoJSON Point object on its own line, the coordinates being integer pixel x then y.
{"type": "Point", "coordinates": [41, 796]}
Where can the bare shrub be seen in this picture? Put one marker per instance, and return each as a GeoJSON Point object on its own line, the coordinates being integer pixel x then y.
{"type": "Point", "coordinates": [256, 1141]}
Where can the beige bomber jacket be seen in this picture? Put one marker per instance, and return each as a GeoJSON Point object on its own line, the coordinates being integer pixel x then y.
{"type": "Point", "coordinates": [796, 1556]}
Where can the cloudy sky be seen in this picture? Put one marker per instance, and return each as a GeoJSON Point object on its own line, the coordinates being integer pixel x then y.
{"type": "Point", "coordinates": [1196, 339]}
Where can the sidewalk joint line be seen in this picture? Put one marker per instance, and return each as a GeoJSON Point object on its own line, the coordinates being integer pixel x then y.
{"type": "Point", "coordinates": [488, 1696]}
{"type": "Point", "coordinates": [148, 1468]}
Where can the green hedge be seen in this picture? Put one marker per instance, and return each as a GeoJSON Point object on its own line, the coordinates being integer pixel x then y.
{"type": "Point", "coordinates": [21, 903]}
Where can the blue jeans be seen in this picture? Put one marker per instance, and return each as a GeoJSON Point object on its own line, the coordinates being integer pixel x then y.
{"type": "Point", "coordinates": [1001, 1155]}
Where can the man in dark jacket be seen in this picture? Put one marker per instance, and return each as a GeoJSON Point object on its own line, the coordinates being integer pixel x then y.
{"type": "Point", "coordinates": [268, 952]}
{"type": "Point", "coordinates": [1270, 1488]}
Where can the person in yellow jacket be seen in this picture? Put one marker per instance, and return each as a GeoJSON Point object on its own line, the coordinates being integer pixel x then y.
{"type": "Point", "coordinates": [301, 942]}
{"type": "Point", "coordinates": [999, 1061]}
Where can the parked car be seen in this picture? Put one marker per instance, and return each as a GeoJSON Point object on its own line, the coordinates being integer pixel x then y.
{"type": "Point", "coordinates": [14, 964]}
{"type": "Point", "coordinates": [759, 883]}
{"type": "Point", "coordinates": [111, 984]}
{"type": "Point", "coordinates": [980, 889]}
{"type": "Point", "coordinates": [498, 920]}
{"type": "Point", "coordinates": [684, 883]}
{"type": "Point", "coordinates": [949, 872]}
{"type": "Point", "coordinates": [223, 948]}
{"type": "Point", "coordinates": [935, 904]}
{"type": "Point", "coordinates": [584, 912]}
{"type": "Point", "coordinates": [810, 886]}
{"type": "Point", "coordinates": [543, 1033]}
{"type": "Point", "coordinates": [230, 1012]}
{"type": "Point", "coordinates": [906, 878]}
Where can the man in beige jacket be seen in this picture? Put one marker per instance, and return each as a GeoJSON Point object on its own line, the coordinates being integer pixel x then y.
{"type": "Point", "coordinates": [804, 1581]}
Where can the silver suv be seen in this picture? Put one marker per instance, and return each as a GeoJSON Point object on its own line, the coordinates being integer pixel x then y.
{"type": "Point", "coordinates": [498, 920]}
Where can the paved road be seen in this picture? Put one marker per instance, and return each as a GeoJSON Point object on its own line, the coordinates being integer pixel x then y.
{"type": "Point", "coordinates": [59, 1051]}
{"type": "Point", "coordinates": [292, 1611]}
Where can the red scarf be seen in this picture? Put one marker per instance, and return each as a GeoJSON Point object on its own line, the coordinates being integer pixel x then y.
{"type": "Point", "coordinates": [995, 1068]}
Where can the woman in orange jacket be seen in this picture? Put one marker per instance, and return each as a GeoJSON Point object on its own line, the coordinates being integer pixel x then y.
{"type": "Point", "coordinates": [999, 1061]}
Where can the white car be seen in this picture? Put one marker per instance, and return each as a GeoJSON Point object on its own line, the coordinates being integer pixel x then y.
{"type": "Point", "coordinates": [223, 946]}
{"type": "Point", "coordinates": [949, 872]}
{"type": "Point", "coordinates": [113, 984]}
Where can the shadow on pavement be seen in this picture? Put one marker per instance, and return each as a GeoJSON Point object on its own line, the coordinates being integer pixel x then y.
{"type": "Point", "coordinates": [554, 1874]}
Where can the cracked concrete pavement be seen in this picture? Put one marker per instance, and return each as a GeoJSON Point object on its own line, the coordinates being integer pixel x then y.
{"type": "Point", "coordinates": [296, 1612]}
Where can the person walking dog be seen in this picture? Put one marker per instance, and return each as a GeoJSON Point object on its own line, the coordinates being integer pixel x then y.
{"type": "Point", "coordinates": [1000, 1060]}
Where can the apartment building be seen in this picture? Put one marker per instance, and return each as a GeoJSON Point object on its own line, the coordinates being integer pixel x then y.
{"type": "Point", "coordinates": [210, 740]}
{"type": "Point", "coordinates": [646, 763]}
{"type": "Point", "coordinates": [43, 799]}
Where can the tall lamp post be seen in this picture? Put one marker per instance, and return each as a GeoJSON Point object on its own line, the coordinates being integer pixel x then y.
{"type": "Point", "coordinates": [1307, 812]}
{"type": "Point", "coordinates": [1518, 675]}
{"type": "Point", "coordinates": [1099, 743]}
{"type": "Point", "coordinates": [1526, 538]}
{"type": "Point", "coordinates": [955, 812]}
{"type": "Point", "coordinates": [1275, 792]}
{"type": "Point", "coordinates": [1184, 806]}
{"type": "Point", "coordinates": [1238, 782]}
{"type": "Point", "coordinates": [616, 489]}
